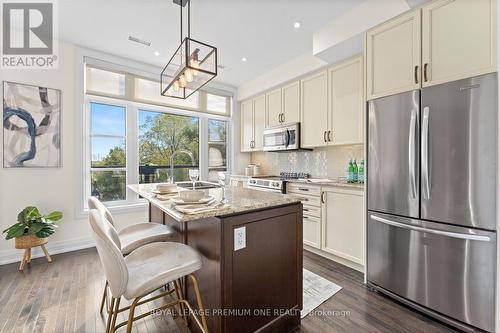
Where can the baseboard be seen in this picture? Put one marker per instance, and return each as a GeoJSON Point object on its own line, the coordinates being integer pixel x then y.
{"type": "Point", "coordinates": [15, 255]}
{"type": "Point", "coordinates": [338, 259]}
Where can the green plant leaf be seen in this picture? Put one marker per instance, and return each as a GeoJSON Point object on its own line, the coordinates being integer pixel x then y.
{"type": "Point", "coordinates": [28, 214]}
{"type": "Point", "coordinates": [17, 230]}
{"type": "Point", "coordinates": [45, 232]}
{"type": "Point", "coordinates": [36, 227]}
{"type": "Point", "coordinates": [54, 216]}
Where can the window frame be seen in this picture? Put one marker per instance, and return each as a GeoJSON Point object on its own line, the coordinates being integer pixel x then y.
{"type": "Point", "coordinates": [131, 143]}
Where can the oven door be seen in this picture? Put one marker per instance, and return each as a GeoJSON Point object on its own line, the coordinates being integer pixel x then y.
{"type": "Point", "coordinates": [281, 138]}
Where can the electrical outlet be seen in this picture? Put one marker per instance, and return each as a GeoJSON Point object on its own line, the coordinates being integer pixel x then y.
{"type": "Point", "coordinates": [240, 238]}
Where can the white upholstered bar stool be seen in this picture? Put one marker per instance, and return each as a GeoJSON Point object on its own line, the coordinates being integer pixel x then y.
{"type": "Point", "coordinates": [144, 271]}
{"type": "Point", "coordinates": [132, 236]}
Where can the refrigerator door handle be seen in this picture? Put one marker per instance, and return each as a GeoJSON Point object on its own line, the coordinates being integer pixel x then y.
{"type": "Point", "coordinates": [425, 154]}
{"type": "Point", "coordinates": [411, 153]}
{"type": "Point", "coordinates": [432, 231]}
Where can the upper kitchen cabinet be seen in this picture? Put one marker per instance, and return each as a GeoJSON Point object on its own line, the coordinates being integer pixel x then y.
{"type": "Point", "coordinates": [253, 123]}
{"type": "Point", "coordinates": [458, 40]}
{"type": "Point", "coordinates": [274, 107]}
{"type": "Point", "coordinates": [393, 56]}
{"type": "Point", "coordinates": [291, 102]}
{"type": "Point", "coordinates": [314, 111]}
{"type": "Point", "coordinates": [346, 102]}
{"type": "Point", "coordinates": [247, 126]}
{"type": "Point", "coordinates": [259, 109]}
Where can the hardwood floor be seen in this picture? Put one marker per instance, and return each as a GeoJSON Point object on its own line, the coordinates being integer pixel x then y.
{"type": "Point", "coordinates": [64, 296]}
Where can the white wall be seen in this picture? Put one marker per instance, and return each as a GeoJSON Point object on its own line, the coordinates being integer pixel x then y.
{"type": "Point", "coordinates": [50, 189]}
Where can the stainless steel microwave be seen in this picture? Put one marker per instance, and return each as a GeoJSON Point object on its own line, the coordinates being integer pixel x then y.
{"type": "Point", "coordinates": [282, 137]}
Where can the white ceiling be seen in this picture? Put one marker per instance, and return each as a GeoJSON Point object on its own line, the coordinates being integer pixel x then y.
{"type": "Point", "coordinates": [260, 30]}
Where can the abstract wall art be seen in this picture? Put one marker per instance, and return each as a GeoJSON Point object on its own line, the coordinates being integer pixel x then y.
{"type": "Point", "coordinates": [31, 126]}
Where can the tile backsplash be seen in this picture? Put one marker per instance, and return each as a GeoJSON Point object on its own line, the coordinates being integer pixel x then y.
{"type": "Point", "coordinates": [328, 162]}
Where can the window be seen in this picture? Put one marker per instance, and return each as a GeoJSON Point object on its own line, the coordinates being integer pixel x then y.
{"type": "Point", "coordinates": [108, 157]}
{"type": "Point", "coordinates": [218, 104]}
{"type": "Point", "coordinates": [106, 82]}
{"type": "Point", "coordinates": [132, 131]}
{"type": "Point", "coordinates": [160, 134]}
{"type": "Point", "coordinates": [217, 147]}
{"type": "Point", "coordinates": [149, 90]}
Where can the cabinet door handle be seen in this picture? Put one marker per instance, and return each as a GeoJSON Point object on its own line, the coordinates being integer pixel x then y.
{"type": "Point", "coordinates": [282, 117]}
{"type": "Point", "coordinates": [324, 136]}
{"type": "Point", "coordinates": [416, 74]}
{"type": "Point", "coordinates": [425, 72]}
{"type": "Point", "coordinates": [322, 197]}
{"type": "Point", "coordinates": [329, 138]}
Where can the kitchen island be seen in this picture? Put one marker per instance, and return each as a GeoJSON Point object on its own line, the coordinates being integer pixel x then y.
{"type": "Point", "coordinates": [255, 283]}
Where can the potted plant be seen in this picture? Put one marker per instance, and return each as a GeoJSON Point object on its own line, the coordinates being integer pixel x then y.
{"type": "Point", "coordinates": [32, 229]}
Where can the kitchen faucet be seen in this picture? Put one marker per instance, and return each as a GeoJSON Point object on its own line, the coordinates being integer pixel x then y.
{"type": "Point", "coordinates": [187, 152]}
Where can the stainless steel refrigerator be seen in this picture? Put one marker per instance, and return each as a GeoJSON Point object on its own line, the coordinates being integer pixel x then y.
{"type": "Point", "coordinates": [431, 184]}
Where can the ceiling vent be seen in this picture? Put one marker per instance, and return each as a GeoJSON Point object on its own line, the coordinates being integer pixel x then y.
{"type": "Point", "coordinates": [140, 41]}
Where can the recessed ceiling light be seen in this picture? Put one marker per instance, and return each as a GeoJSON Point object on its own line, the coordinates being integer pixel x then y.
{"type": "Point", "coordinates": [296, 25]}
{"type": "Point", "coordinates": [244, 59]}
{"type": "Point", "coordinates": [156, 53]}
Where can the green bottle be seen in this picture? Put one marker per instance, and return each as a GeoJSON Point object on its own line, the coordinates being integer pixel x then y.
{"type": "Point", "coordinates": [355, 172]}
{"type": "Point", "coordinates": [350, 172]}
{"type": "Point", "coordinates": [361, 172]}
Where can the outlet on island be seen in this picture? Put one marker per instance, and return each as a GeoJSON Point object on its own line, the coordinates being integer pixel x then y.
{"type": "Point", "coordinates": [240, 238]}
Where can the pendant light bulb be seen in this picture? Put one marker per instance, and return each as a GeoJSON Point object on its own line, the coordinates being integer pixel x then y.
{"type": "Point", "coordinates": [189, 75]}
{"type": "Point", "coordinates": [175, 86]}
{"type": "Point", "coordinates": [182, 81]}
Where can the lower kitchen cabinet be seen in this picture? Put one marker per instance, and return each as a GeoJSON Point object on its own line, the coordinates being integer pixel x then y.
{"type": "Point", "coordinates": [342, 227]}
{"type": "Point", "coordinates": [311, 231]}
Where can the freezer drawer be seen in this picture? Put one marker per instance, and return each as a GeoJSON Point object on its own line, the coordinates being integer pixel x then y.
{"type": "Point", "coordinates": [448, 269]}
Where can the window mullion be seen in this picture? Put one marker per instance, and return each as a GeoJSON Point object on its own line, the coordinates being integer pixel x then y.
{"type": "Point", "coordinates": [203, 147]}
{"type": "Point", "coordinates": [132, 150]}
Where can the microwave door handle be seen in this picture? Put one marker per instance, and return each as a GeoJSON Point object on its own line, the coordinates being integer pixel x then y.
{"type": "Point", "coordinates": [432, 231]}
{"type": "Point", "coordinates": [287, 137]}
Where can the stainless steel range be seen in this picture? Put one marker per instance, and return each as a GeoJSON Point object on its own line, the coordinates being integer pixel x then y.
{"type": "Point", "coordinates": [275, 183]}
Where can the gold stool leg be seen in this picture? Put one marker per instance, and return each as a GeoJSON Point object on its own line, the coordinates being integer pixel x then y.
{"type": "Point", "coordinates": [131, 315]}
{"type": "Point", "coordinates": [49, 259]}
{"type": "Point", "coordinates": [104, 296]}
{"type": "Point", "coordinates": [114, 314]}
{"type": "Point", "coordinates": [200, 303]}
{"type": "Point", "coordinates": [108, 323]}
{"type": "Point", "coordinates": [179, 294]}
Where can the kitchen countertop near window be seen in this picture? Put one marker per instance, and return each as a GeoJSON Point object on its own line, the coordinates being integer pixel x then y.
{"type": "Point", "coordinates": [240, 200]}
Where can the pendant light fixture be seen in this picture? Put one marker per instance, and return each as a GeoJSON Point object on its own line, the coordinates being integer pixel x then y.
{"type": "Point", "coordinates": [192, 66]}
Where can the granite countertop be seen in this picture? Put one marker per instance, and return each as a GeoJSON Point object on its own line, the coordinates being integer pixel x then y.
{"type": "Point", "coordinates": [329, 183]}
{"type": "Point", "coordinates": [240, 200]}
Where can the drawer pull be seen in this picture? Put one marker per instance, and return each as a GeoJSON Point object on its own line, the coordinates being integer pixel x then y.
{"type": "Point", "coordinates": [305, 209]}
{"type": "Point", "coordinates": [305, 217]}
{"type": "Point", "coordinates": [303, 189]}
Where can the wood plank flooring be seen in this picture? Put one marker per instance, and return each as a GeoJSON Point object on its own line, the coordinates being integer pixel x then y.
{"type": "Point", "coordinates": [64, 296]}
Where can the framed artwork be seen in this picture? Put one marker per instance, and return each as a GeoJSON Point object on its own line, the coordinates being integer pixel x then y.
{"type": "Point", "coordinates": [31, 126]}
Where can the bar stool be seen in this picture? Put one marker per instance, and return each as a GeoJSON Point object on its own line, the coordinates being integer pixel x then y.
{"type": "Point", "coordinates": [132, 236]}
{"type": "Point", "coordinates": [144, 271]}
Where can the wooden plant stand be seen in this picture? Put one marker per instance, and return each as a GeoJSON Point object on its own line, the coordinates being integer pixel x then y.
{"type": "Point", "coordinates": [29, 242]}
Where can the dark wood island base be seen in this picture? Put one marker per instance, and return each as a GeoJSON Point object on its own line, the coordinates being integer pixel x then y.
{"type": "Point", "coordinates": [257, 288]}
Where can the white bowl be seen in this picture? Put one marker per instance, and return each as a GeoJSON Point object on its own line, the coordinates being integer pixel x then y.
{"type": "Point", "coordinates": [166, 187]}
{"type": "Point", "coordinates": [192, 195]}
